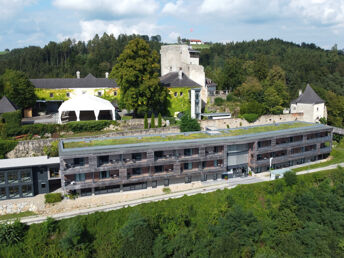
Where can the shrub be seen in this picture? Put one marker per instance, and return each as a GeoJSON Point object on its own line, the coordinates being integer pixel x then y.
{"type": "Point", "coordinates": [159, 120]}
{"type": "Point", "coordinates": [152, 125]}
{"type": "Point", "coordinates": [86, 126]}
{"type": "Point", "coordinates": [52, 150]}
{"type": "Point", "coordinates": [6, 146]}
{"type": "Point", "coordinates": [12, 233]}
{"type": "Point", "coordinates": [39, 129]}
{"type": "Point", "coordinates": [12, 118]}
{"type": "Point", "coordinates": [252, 107]}
{"type": "Point", "coordinates": [145, 122]}
{"type": "Point", "coordinates": [219, 101]}
{"type": "Point", "coordinates": [250, 117]}
{"type": "Point", "coordinates": [290, 178]}
{"type": "Point", "coordinates": [53, 197]}
{"type": "Point", "coordinates": [231, 97]}
{"type": "Point", "coordinates": [166, 190]}
{"type": "Point", "coordinates": [127, 117]}
{"type": "Point", "coordinates": [189, 125]}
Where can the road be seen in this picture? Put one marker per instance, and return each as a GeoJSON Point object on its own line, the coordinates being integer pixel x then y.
{"type": "Point", "coordinates": [206, 189]}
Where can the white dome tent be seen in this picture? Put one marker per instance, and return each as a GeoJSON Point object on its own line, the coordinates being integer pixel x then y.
{"type": "Point", "coordinates": [85, 107]}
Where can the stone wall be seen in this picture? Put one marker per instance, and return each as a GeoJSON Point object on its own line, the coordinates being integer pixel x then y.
{"type": "Point", "coordinates": [34, 204]}
{"type": "Point", "coordinates": [33, 148]}
{"type": "Point", "coordinates": [238, 122]}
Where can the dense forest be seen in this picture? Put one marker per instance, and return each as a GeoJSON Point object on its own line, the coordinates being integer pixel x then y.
{"type": "Point", "coordinates": [58, 60]}
{"type": "Point", "coordinates": [298, 216]}
{"type": "Point", "coordinates": [263, 76]}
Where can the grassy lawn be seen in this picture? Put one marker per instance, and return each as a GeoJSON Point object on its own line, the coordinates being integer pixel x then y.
{"type": "Point", "coordinates": [3, 52]}
{"type": "Point", "coordinates": [17, 215]}
{"type": "Point", "coordinates": [337, 156]}
{"type": "Point", "coordinates": [200, 135]}
{"type": "Point", "coordinates": [202, 46]}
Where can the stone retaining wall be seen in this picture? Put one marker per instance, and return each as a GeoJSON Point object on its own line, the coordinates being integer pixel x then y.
{"type": "Point", "coordinates": [33, 148]}
{"type": "Point", "coordinates": [34, 204]}
{"type": "Point", "coordinates": [238, 122]}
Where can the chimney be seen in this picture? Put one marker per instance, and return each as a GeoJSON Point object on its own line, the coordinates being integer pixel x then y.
{"type": "Point", "coordinates": [180, 74]}
{"type": "Point", "coordinates": [300, 92]}
{"type": "Point", "coordinates": [78, 75]}
{"type": "Point", "coordinates": [107, 75]}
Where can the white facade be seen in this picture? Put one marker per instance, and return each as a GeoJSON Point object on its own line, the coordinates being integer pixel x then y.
{"type": "Point", "coordinates": [311, 112]}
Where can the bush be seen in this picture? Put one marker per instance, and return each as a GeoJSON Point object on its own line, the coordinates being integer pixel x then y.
{"type": "Point", "coordinates": [52, 150]}
{"type": "Point", "coordinates": [145, 122]}
{"type": "Point", "coordinates": [39, 129]}
{"type": "Point", "coordinates": [188, 124]}
{"type": "Point", "coordinates": [53, 197]}
{"type": "Point", "coordinates": [231, 97]}
{"type": "Point", "coordinates": [252, 107]}
{"type": "Point", "coordinates": [12, 122]}
{"type": "Point", "coordinates": [12, 233]}
{"type": "Point", "coordinates": [290, 178]}
{"type": "Point", "coordinates": [219, 101]}
{"type": "Point", "coordinates": [6, 146]}
{"type": "Point", "coordinates": [87, 126]}
{"type": "Point", "coordinates": [250, 117]}
{"type": "Point", "coordinates": [159, 120]}
{"type": "Point", "coordinates": [152, 125]}
{"type": "Point", "coordinates": [166, 190]}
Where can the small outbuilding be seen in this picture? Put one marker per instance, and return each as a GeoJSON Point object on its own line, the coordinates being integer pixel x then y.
{"type": "Point", "coordinates": [86, 107]}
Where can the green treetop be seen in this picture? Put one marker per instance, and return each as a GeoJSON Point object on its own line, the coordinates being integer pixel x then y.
{"type": "Point", "coordinates": [18, 88]}
{"type": "Point", "coordinates": [137, 73]}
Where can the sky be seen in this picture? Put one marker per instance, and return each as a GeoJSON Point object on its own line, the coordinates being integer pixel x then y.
{"type": "Point", "coordinates": [36, 22]}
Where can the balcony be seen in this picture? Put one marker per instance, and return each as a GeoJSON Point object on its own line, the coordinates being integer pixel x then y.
{"type": "Point", "coordinates": [89, 183]}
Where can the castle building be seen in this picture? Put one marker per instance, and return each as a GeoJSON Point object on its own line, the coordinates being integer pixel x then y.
{"type": "Point", "coordinates": [310, 104]}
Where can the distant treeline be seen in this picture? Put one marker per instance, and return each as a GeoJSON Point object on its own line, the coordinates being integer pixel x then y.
{"type": "Point", "coordinates": [58, 60]}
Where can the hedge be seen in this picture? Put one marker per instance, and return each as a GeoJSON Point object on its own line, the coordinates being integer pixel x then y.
{"type": "Point", "coordinates": [53, 197]}
{"type": "Point", "coordinates": [6, 146]}
{"type": "Point", "coordinates": [86, 126]}
{"type": "Point", "coordinates": [250, 117]}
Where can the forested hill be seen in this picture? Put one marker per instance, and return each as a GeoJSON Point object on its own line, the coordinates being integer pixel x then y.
{"type": "Point", "coordinates": [57, 60]}
{"type": "Point", "coordinates": [305, 63]}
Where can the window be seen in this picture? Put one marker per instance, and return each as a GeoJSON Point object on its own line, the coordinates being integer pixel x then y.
{"type": "Point", "coordinates": [79, 161]}
{"type": "Point", "coordinates": [12, 177]}
{"type": "Point", "coordinates": [166, 182]}
{"type": "Point", "coordinates": [54, 172]}
{"type": "Point", "coordinates": [25, 176]}
{"type": "Point", "coordinates": [204, 177]}
{"type": "Point", "coordinates": [215, 177]}
{"type": "Point", "coordinates": [104, 174]}
{"type": "Point", "coordinates": [187, 152]}
{"type": "Point", "coordinates": [43, 185]}
{"type": "Point", "coordinates": [51, 95]}
{"type": "Point", "coordinates": [187, 179]}
{"type": "Point", "coordinates": [27, 190]}
{"type": "Point", "coordinates": [136, 156]}
{"type": "Point", "coordinates": [14, 191]}
{"type": "Point", "coordinates": [99, 93]}
{"type": "Point", "coordinates": [2, 178]}
{"type": "Point", "coordinates": [154, 184]}
{"type": "Point", "coordinates": [3, 193]}
{"type": "Point", "coordinates": [187, 165]}
{"type": "Point", "coordinates": [176, 94]}
{"type": "Point", "coordinates": [136, 171]}
{"type": "Point", "coordinates": [158, 169]}
{"type": "Point", "coordinates": [115, 93]}
{"type": "Point", "coordinates": [180, 93]}
{"type": "Point", "coordinates": [68, 94]}
{"type": "Point", "coordinates": [102, 160]}
{"type": "Point", "coordinates": [80, 177]}
{"type": "Point", "coordinates": [215, 163]}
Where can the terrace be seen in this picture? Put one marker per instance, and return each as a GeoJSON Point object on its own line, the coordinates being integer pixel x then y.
{"type": "Point", "coordinates": [68, 144]}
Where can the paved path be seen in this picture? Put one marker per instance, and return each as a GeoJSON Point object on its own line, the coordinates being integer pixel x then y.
{"type": "Point", "coordinates": [334, 166]}
{"type": "Point", "coordinates": [206, 189]}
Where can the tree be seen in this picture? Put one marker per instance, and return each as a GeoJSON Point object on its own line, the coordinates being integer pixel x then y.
{"type": "Point", "coordinates": [145, 122]}
{"type": "Point", "coordinates": [290, 178]}
{"type": "Point", "coordinates": [260, 67]}
{"type": "Point", "coordinates": [273, 101]}
{"type": "Point", "coordinates": [232, 74]}
{"type": "Point", "coordinates": [152, 124]}
{"type": "Point", "coordinates": [18, 88]}
{"type": "Point", "coordinates": [137, 73]}
{"type": "Point", "coordinates": [188, 124]}
{"type": "Point", "coordinates": [250, 90]}
{"type": "Point", "coordinates": [159, 120]}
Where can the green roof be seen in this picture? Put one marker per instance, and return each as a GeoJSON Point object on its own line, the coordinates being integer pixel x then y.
{"type": "Point", "coordinates": [178, 137]}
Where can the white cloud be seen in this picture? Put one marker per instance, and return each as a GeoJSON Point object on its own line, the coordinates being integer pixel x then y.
{"type": "Point", "coordinates": [105, 8]}
{"type": "Point", "coordinates": [173, 8]}
{"type": "Point", "coordinates": [325, 12]}
{"type": "Point", "coordinates": [10, 7]}
{"type": "Point", "coordinates": [173, 36]}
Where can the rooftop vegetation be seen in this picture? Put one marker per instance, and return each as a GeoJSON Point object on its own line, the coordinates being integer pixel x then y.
{"type": "Point", "coordinates": [177, 137]}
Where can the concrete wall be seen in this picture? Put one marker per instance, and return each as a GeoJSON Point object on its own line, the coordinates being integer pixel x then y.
{"type": "Point", "coordinates": [238, 122]}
